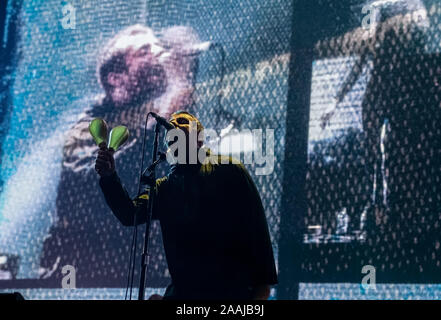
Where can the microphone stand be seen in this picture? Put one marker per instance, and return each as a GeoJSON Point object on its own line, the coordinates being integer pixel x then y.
{"type": "Point", "coordinates": [152, 195]}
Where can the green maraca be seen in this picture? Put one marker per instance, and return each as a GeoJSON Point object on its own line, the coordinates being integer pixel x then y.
{"type": "Point", "coordinates": [98, 130]}
{"type": "Point", "coordinates": [118, 136]}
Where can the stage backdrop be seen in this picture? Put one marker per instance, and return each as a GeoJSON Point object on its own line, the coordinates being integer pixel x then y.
{"type": "Point", "coordinates": [346, 95]}
{"type": "Point", "coordinates": [52, 212]}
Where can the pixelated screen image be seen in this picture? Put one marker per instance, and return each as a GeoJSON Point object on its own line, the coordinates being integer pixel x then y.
{"type": "Point", "coordinates": [373, 170]}
{"type": "Point", "coordinates": [370, 200]}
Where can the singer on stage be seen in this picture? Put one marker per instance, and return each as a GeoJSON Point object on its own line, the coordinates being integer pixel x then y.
{"type": "Point", "coordinates": [214, 228]}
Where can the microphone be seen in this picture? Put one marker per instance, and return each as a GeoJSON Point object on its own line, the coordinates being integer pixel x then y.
{"type": "Point", "coordinates": [162, 121]}
{"type": "Point", "coordinates": [199, 48]}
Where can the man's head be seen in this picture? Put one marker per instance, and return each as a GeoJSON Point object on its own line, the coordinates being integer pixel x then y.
{"type": "Point", "coordinates": [130, 68]}
{"type": "Point", "coordinates": [185, 121]}
{"type": "Point", "coordinates": [136, 65]}
{"type": "Point", "coordinates": [187, 136]}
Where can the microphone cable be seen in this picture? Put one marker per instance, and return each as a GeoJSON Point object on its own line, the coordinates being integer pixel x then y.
{"type": "Point", "coordinates": [131, 271]}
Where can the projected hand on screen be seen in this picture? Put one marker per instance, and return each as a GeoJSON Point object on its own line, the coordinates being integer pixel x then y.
{"type": "Point", "coordinates": [328, 114]}
{"type": "Point", "coordinates": [325, 118]}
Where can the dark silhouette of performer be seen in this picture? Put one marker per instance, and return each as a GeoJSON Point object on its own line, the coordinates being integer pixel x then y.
{"type": "Point", "coordinates": [214, 228]}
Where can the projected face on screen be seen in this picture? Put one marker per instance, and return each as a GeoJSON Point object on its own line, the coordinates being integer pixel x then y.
{"type": "Point", "coordinates": [130, 67]}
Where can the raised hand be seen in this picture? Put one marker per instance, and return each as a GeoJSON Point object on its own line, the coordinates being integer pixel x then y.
{"type": "Point", "coordinates": [105, 162]}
